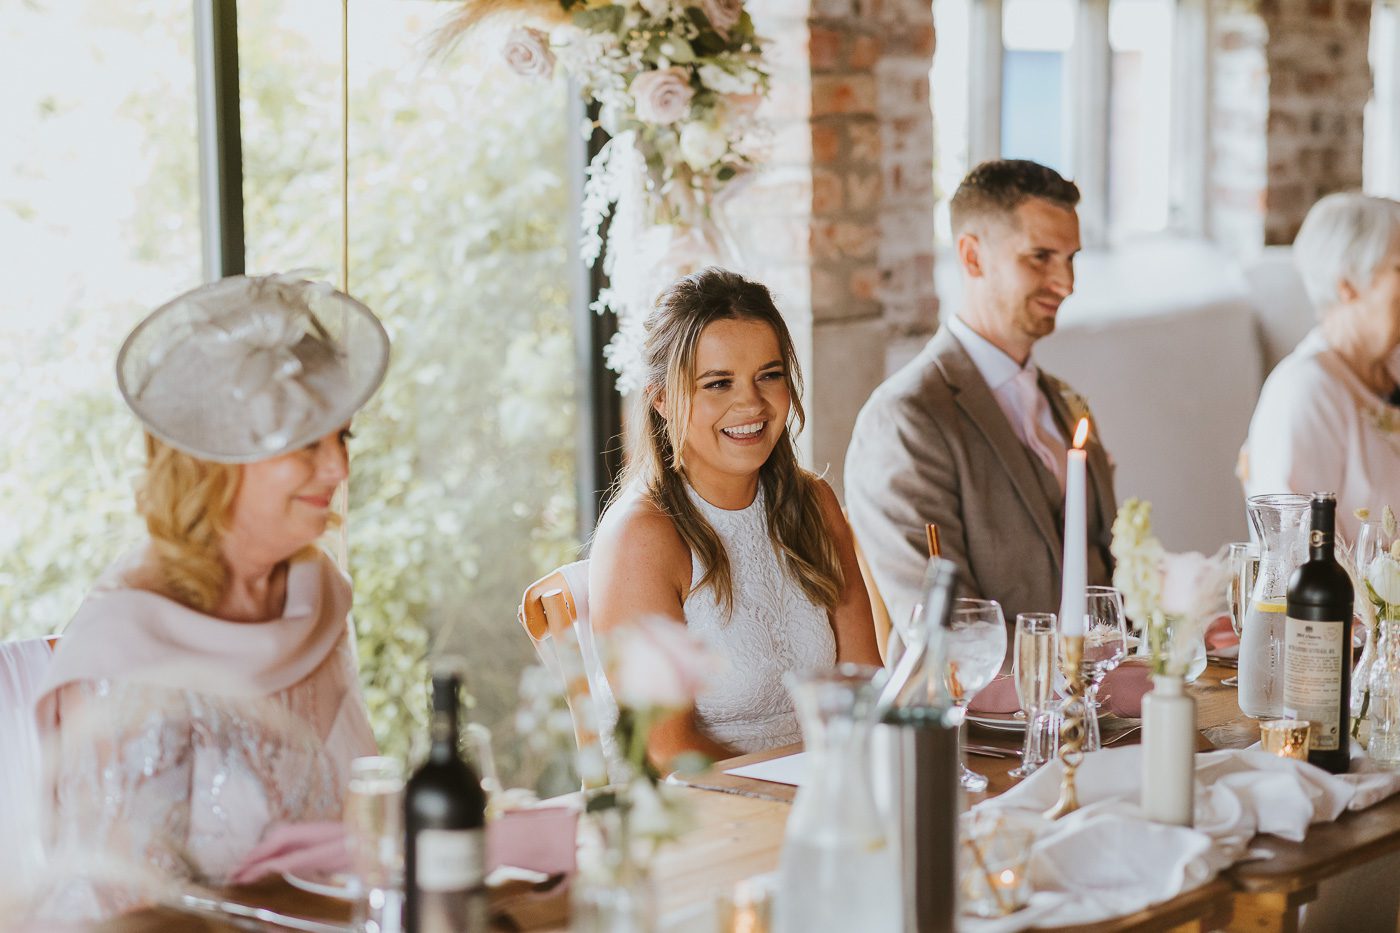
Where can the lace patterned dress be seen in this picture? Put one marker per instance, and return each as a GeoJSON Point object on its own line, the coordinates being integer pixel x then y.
{"type": "Point", "coordinates": [176, 739]}
{"type": "Point", "coordinates": [774, 629]}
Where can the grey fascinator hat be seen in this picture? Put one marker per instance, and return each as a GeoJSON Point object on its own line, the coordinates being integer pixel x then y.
{"type": "Point", "coordinates": [250, 367]}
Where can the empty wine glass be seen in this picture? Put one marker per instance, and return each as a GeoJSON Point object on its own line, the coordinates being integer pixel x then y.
{"type": "Point", "coordinates": [1105, 647]}
{"type": "Point", "coordinates": [976, 649]}
{"type": "Point", "coordinates": [1033, 667]}
{"type": "Point", "coordinates": [1244, 562]}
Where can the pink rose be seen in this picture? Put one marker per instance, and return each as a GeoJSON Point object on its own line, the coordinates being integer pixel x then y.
{"type": "Point", "coordinates": [658, 663]}
{"type": "Point", "coordinates": [723, 14]}
{"type": "Point", "coordinates": [662, 96]}
{"type": "Point", "coordinates": [1194, 586]}
{"type": "Point", "coordinates": [528, 53]}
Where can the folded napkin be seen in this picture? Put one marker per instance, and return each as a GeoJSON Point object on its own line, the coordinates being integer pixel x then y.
{"type": "Point", "coordinates": [314, 850]}
{"type": "Point", "coordinates": [1221, 640]}
{"type": "Point", "coordinates": [1106, 859]}
{"type": "Point", "coordinates": [541, 839]}
{"type": "Point", "coordinates": [1121, 692]}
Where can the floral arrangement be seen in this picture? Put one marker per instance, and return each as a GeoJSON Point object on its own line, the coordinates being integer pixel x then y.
{"type": "Point", "coordinates": [1377, 601]}
{"type": "Point", "coordinates": [656, 668]}
{"type": "Point", "coordinates": [1172, 596]}
{"type": "Point", "coordinates": [677, 84]}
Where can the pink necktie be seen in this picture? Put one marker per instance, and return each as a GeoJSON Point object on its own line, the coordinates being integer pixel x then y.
{"type": "Point", "coordinates": [1050, 449]}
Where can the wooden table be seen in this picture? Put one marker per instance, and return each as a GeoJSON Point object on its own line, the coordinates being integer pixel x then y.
{"type": "Point", "coordinates": [741, 822]}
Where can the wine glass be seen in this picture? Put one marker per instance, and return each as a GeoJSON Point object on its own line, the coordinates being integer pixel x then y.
{"type": "Point", "coordinates": [1244, 563]}
{"type": "Point", "coordinates": [1105, 647]}
{"type": "Point", "coordinates": [976, 649]}
{"type": "Point", "coordinates": [1033, 667]}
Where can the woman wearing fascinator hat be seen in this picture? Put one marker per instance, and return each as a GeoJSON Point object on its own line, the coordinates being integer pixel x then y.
{"type": "Point", "coordinates": [206, 688]}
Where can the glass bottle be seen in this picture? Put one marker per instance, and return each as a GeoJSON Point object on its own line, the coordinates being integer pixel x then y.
{"type": "Point", "coordinates": [1371, 542]}
{"type": "Point", "coordinates": [1384, 747]}
{"type": "Point", "coordinates": [839, 870]}
{"type": "Point", "coordinates": [1280, 524]}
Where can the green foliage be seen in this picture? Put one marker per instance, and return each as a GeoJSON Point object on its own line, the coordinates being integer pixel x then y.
{"type": "Point", "coordinates": [461, 490]}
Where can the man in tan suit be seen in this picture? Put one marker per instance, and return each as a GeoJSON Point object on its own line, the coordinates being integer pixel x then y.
{"type": "Point", "coordinates": [970, 434]}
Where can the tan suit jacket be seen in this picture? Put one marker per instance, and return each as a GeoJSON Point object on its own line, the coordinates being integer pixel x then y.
{"type": "Point", "coordinates": [933, 445]}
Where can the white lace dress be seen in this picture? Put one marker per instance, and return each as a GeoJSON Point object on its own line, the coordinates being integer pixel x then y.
{"type": "Point", "coordinates": [774, 629]}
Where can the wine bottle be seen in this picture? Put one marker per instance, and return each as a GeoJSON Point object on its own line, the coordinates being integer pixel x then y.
{"type": "Point", "coordinates": [1317, 643]}
{"type": "Point", "coordinates": [445, 820]}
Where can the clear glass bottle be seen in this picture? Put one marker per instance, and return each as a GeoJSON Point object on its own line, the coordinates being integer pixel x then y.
{"type": "Point", "coordinates": [1371, 542]}
{"type": "Point", "coordinates": [839, 869]}
{"type": "Point", "coordinates": [1384, 707]}
{"type": "Point", "coordinates": [1280, 524]}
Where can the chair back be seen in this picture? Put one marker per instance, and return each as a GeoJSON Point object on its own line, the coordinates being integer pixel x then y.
{"type": "Point", "coordinates": [878, 609]}
{"type": "Point", "coordinates": [554, 613]}
{"type": "Point", "coordinates": [23, 666]}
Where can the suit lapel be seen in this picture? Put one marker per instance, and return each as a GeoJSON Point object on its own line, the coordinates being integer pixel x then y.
{"type": "Point", "coordinates": [975, 399]}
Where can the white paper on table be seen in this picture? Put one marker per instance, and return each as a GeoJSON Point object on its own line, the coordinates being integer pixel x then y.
{"type": "Point", "coordinates": [790, 769]}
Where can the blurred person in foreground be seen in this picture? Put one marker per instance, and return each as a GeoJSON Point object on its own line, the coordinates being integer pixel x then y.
{"type": "Point", "coordinates": [1328, 417]}
{"type": "Point", "coordinates": [716, 526]}
{"type": "Point", "coordinates": [206, 690]}
{"type": "Point", "coordinates": [971, 435]}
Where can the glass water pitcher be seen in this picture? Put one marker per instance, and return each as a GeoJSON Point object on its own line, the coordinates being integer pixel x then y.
{"type": "Point", "coordinates": [1280, 527]}
{"type": "Point", "coordinates": [839, 870]}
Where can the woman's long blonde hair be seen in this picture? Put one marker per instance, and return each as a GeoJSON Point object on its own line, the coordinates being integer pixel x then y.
{"type": "Point", "coordinates": [187, 504]}
{"type": "Point", "coordinates": [656, 440]}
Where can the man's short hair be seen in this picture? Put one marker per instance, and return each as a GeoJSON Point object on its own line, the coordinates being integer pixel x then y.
{"type": "Point", "coordinates": [994, 189]}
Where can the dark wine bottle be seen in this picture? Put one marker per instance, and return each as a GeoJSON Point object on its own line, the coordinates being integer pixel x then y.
{"type": "Point", "coordinates": [445, 820]}
{"type": "Point", "coordinates": [1317, 643]}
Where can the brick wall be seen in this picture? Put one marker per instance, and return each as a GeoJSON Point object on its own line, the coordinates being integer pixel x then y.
{"type": "Point", "coordinates": [840, 223]}
{"type": "Point", "coordinates": [1291, 80]}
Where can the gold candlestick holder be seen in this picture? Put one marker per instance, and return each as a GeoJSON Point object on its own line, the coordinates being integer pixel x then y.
{"type": "Point", "coordinates": [1072, 728]}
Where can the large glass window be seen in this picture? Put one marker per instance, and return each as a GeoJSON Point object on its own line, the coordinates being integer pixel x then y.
{"type": "Point", "coordinates": [99, 222]}
{"type": "Point", "coordinates": [1036, 39]}
{"type": "Point", "coordinates": [1382, 130]}
{"type": "Point", "coordinates": [1140, 38]}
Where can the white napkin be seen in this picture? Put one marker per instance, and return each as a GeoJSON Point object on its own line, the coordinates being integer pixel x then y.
{"type": "Point", "coordinates": [1107, 860]}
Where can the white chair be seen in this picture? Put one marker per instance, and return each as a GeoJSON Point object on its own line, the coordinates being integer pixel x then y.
{"type": "Point", "coordinates": [23, 665]}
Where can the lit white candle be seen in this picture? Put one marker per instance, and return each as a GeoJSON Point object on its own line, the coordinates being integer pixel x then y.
{"type": "Point", "coordinates": [1076, 561]}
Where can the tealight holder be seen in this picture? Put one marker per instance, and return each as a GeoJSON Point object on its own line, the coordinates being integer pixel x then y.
{"type": "Point", "coordinates": [1286, 738]}
{"type": "Point", "coordinates": [994, 853]}
{"type": "Point", "coordinates": [1072, 727]}
{"type": "Point", "coordinates": [745, 908]}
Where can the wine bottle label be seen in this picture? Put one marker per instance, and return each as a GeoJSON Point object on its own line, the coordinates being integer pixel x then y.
{"type": "Point", "coordinates": [1312, 679]}
{"type": "Point", "coordinates": [449, 859]}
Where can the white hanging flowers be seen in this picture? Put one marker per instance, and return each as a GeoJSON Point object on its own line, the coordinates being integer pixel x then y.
{"type": "Point", "coordinates": [680, 80]}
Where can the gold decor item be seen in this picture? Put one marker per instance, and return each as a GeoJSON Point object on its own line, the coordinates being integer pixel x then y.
{"type": "Point", "coordinates": [1072, 728]}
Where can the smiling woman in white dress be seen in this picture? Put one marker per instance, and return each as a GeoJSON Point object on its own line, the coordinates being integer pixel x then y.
{"type": "Point", "coordinates": [1328, 417]}
{"type": "Point", "coordinates": [716, 526]}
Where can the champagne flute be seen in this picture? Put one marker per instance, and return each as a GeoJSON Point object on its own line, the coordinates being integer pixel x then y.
{"type": "Point", "coordinates": [1033, 667]}
{"type": "Point", "coordinates": [976, 649]}
{"type": "Point", "coordinates": [1105, 647]}
{"type": "Point", "coordinates": [1244, 562]}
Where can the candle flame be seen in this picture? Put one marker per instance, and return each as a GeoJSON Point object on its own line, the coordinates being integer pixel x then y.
{"type": "Point", "coordinates": [1081, 434]}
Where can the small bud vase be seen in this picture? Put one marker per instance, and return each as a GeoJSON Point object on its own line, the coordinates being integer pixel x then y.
{"type": "Point", "coordinates": [1168, 752]}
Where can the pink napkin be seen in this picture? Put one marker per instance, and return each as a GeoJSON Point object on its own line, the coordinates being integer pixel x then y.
{"type": "Point", "coordinates": [308, 849]}
{"type": "Point", "coordinates": [1122, 690]}
{"type": "Point", "coordinates": [999, 696]}
{"type": "Point", "coordinates": [1221, 635]}
{"type": "Point", "coordinates": [540, 839]}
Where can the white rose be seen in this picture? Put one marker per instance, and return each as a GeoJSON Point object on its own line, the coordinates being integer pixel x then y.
{"type": "Point", "coordinates": [657, 9]}
{"type": "Point", "coordinates": [527, 52]}
{"type": "Point", "coordinates": [662, 96]}
{"type": "Point", "coordinates": [723, 14]}
{"type": "Point", "coordinates": [658, 663]}
{"type": "Point", "coordinates": [702, 145]}
{"type": "Point", "coordinates": [1384, 577]}
{"type": "Point", "coordinates": [723, 81]}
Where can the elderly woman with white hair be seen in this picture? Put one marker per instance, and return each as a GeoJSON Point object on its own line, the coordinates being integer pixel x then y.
{"type": "Point", "coordinates": [1329, 415]}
